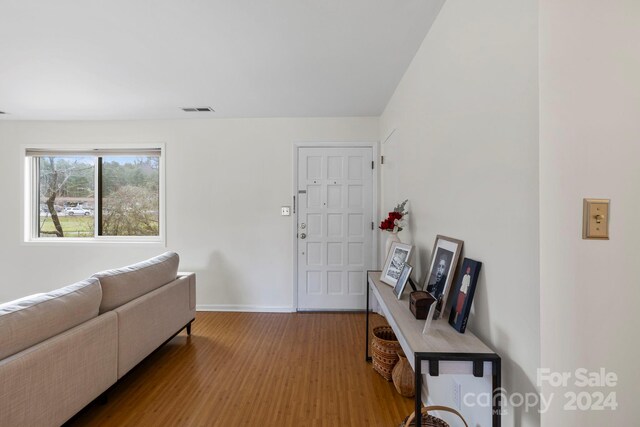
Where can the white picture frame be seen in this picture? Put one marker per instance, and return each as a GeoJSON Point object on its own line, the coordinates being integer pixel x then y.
{"type": "Point", "coordinates": [398, 255]}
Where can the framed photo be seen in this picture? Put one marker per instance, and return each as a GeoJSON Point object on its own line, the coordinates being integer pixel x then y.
{"type": "Point", "coordinates": [402, 280]}
{"type": "Point", "coordinates": [398, 256]}
{"type": "Point", "coordinates": [444, 260]}
{"type": "Point", "coordinates": [463, 294]}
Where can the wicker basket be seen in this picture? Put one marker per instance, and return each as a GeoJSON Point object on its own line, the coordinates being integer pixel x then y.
{"type": "Point", "coordinates": [430, 420]}
{"type": "Point", "coordinates": [385, 347]}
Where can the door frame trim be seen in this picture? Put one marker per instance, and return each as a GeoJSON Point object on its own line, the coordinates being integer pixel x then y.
{"type": "Point", "coordinates": [375, 149]}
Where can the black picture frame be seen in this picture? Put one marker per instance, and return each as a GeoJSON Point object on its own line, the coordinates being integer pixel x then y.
{"type": "Point", "coordinates": [462, 294]}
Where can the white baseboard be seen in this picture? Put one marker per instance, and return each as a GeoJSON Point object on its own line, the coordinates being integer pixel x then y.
{"type": "Point", "coordinates": [244, 308]}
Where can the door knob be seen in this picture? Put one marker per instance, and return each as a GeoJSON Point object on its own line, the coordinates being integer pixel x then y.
{"type": "Point", "coordinates": [303, 236]}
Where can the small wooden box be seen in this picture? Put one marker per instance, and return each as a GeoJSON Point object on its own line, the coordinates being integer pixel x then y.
{"type": "Point", "coordinates": [419, 303]}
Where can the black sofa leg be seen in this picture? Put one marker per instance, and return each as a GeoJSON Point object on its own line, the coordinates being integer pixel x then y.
{"type": "Point", "coordinates": [103, 399]}
{"type": "Point", "coordinates": [189, 328]}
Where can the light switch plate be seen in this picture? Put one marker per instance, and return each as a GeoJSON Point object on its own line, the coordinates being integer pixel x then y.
{"type": "Point", "coordinates": [595, 219]}
{"type": "Point", "coordinates": [286, 210]}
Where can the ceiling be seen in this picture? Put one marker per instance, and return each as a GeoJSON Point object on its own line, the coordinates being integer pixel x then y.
{"type": "Point", "coordinates": [146, 59]}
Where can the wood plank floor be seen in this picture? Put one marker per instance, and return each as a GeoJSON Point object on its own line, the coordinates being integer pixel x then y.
{"type": "Point", "coordinates": [256, 369]}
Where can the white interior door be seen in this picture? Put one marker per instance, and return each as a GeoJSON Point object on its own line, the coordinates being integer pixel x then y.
{"type": "Point", "coordinates": [335, 231]}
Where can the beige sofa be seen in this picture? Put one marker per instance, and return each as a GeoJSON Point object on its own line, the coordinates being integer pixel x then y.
{"type": "Point", "coordinates": [61, 350]}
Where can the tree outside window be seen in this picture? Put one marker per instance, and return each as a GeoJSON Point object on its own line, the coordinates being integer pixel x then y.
{"type": "Point", "coordinates": [83, 196]}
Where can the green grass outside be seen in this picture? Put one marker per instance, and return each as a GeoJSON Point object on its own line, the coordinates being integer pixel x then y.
{"type": "Point", "coordinates": [72, 226]}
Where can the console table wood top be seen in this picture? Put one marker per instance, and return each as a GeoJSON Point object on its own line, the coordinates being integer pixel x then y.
{"type": "Point", "coordinates": [441, 337]}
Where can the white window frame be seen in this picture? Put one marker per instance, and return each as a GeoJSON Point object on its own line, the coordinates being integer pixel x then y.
{"type": "Point", "coordinates": [31, 199]}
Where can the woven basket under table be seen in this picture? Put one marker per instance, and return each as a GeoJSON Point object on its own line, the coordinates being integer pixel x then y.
{"type": "Point", "coordinates": [384, 348]}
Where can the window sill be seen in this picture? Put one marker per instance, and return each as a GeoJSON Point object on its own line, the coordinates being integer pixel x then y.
{"type": "Point", "coordinates": [70, 241]}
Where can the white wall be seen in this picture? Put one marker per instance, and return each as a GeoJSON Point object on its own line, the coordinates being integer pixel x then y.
{"type": "Point", "coordinates": [226, 180]}
{"type": "Point", "coordinates": [590, 147]}
{"type": "Point", "coordinates": [465, 154]}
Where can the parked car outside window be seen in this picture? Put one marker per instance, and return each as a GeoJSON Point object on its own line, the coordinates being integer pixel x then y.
{"type": "Point", "coordinates": [78, 211]}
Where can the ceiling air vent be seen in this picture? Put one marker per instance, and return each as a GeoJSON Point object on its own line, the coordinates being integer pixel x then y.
{"type": "Point", "coordinates": [199, 110]}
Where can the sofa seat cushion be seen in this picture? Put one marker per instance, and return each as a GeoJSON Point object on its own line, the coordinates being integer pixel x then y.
{"type": "Point", "coordinates": [33, 319]}
{"type": "Point", "coordinates": [125, 284]}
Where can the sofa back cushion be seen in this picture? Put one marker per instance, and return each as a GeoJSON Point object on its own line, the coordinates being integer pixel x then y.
{"type": "Point", "coordinates": [125, 284]}
{"type": "Point", "coordinates": [33, 319]}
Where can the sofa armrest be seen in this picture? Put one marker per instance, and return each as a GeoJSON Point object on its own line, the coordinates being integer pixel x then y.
{"type": "Point", "coordinates": [192, 287]}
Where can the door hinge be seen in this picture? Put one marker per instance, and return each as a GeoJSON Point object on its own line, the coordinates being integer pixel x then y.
{"type": "Point", "coordinates": [372, 226]}
{"type": "Point", "coordinates": [372, 163]}
{"type": "Point", "coordinates": [294, 204]}
{"type": "Point", "coordinates": [382, 160]}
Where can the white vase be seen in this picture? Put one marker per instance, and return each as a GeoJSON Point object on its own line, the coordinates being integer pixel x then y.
{"type": "Point", "coordinates": [392, 237]}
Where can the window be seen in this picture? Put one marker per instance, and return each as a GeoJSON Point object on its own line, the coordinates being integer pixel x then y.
{"type": "Point", "coordinates": [97, 194]}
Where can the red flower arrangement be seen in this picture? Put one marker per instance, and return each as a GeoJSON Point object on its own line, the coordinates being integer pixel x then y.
{"type": "Point", "coordinates": [394, 223]}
